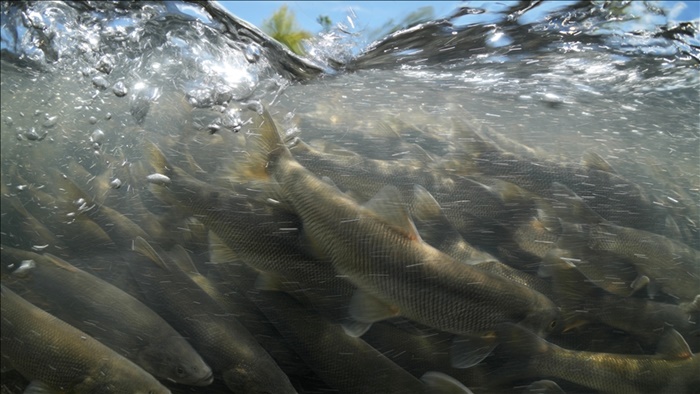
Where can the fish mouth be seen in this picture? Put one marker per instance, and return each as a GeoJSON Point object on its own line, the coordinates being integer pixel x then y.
{"type": "Point", "coordinates": [205, 381]}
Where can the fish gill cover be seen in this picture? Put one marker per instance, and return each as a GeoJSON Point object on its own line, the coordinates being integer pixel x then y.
{"type": "Point", "coordinates": [505, 198]}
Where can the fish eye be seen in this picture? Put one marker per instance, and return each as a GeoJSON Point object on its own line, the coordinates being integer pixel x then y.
{"type": "Point", "coordinates": [553, 324]}
{"type": "Point", "coordinates": [180, 371]}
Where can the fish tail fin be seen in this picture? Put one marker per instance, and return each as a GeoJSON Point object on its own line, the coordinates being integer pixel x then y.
{"type": "Point", "coordinates": [72, 192]}
{"type": "Point", "coordinates": [440, 383]}
{"type": "Point", "coordinates": [570, 288]}
{"type": "Point", "coordinates": [266, 149]}
{"type": "Point", "coordinates": [519, 341]}
{"type": "Point", "coordinates": [157, 159]}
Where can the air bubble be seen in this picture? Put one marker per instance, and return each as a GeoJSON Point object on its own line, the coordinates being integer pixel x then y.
{"type": "Point", "coordinates": [105, 64]}
{"type": "Point", "coordinates": [116, 183]}
{"type": "Point", "coordinates": [97, 136]}
{"type": "Point", "coordinates": [119, 89]}
{"type": "Point", "coordinates": [100, 82]}
{"type": "Point", "coordinates": [32, 135]}
{"type": "Point", "coordinates": [50, 122]}
{"type": "Point", "coordinates": [252, 53]}
{"type": "Point", "coordinates": [158, 179]}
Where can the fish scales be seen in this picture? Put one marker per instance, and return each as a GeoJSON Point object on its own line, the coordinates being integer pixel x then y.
{"type": "Point", "coordinates": [112, 316]}
{"type": "Point", "coordinates": [222, 341]}
{"type": "Point", "coordinates": [45, 349]}
{"type": "Point", "coordinates": [392, 265]}
{"type": "Point", "coordinates": [673, 371]}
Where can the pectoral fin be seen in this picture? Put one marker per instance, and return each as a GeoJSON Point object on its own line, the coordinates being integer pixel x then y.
{"type": "Point", "coordinates": [366, 308]}
{"type": "Point", "coordinates": [467, 351]}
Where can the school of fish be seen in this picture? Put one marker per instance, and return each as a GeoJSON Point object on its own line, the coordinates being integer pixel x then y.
{"type": "Point", "coordinates": [268, 262]}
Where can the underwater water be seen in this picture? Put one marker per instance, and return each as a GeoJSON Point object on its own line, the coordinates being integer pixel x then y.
{"type": "Point", "coordinates": [504, 200]}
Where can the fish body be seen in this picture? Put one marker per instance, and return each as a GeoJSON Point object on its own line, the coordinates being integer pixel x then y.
{"type": "Point", "coordinates": [221, 340]}
{"type": "Point", "coordinates": [377, 248]}
{"type": "Point", "coordinates": [672, 266]}
{"type": "Point", "coordinates": [615, 198]}
{"type": "Point", "coordinates": [674, 369]}
{"type": "Point", "coordinates": [345, 363]}
{"type": "Point", "coordinates": [645, 319]}
{"type": "Point", "coordinates": [267, 238]}
{"type": "Point", "coordinates": [113, 317]}
{"type": "Point", "coordinates": [47, 350]}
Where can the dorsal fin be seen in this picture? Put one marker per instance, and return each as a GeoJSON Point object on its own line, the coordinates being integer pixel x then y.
{"type": "Point", "coordinates": [468, 350]}
{"type": "Point", "coordinates": [438, 382]}
{"type": "Point", "coordinates": [673, 346]}
{"type": "Point", "coordinates": [425, 206]}
{"type": "Point", "coordinates": [692, 306]}
{"type": "Point", "coordinates": [420, 154]}
{"type": "Point", "coordinates": [219, 252]}
{"type": "Point", "coordinates": [671, 229]}
{"type": "Point", "coordinates": [476, 142]}
{"type": "Point", "coordinates": [388, 132]}
{"type": "Point", "coordinates": [59, 262]}
{"type": "Point", "coordinates": [366, 308]}
{"type": "Point", "coordinates": [544, 387]}
{"type": "Point", "coordinates": [183, 260]}
{"type": "Point", "coordinates": [329, 181]}
{"type": "Point", "coordinates": [73, 191]}
{"type": "Point", "coordinates": [594, 161]}
{"type": "Point", "coordinates": [387, 205]}
{"type": "Point", "coordinates": [144, 248]}
{"type": "Point", "coordinates": [578, 209]}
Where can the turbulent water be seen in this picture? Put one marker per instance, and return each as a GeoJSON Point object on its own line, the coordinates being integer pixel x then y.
{"type": "Point", "coordinates": [86, 87]}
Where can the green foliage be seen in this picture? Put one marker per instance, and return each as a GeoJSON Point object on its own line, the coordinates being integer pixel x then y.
{"type": "Point", "coordinates": [325, 22]}
{"type": "Point", "coordinates": [421, 15]}
{"type": "Point", "coordinates": [282, 26]}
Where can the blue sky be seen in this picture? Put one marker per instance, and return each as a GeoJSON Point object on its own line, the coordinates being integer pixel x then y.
{"type": "Point", "coordinates": [373, 14]}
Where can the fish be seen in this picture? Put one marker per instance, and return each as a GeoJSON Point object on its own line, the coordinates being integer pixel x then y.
{"type": "Point", "coordinates": [111, 316]}
{"type": "Point", "coordinates": [583, 302]}
{"type": "Point", "coordinates": [468, 204]}
{"type": "Point", "coordinates": [669, 265]}
{"type": "Point", "coordinates": [422, 350]}
{"type": "Point", "coordinates": [673, 369]}
{"type": "Point", "coordinates": [345, 363]}
{"type": "Point", "coordinates": [34, 230]}
{"type": "Point", "coordinates": [78, 232]}
{"type": "Point", "coordinates": [56, 356]}
{"type": "Point", "coordinates": [264, 235]}
{"type": "Point", "coordinates": [544, 387]}
{"type": "Point", "coordinates": [120, 228]}
{"type": "Point", "coordinates": [221, 340]}
{"type": "Point", "coordinates": [615, 198]}
{"type": "Point", "coordinates": [223, 284]}
{"type": "Point", "coordinates": [377, 248]}
{"type": "Point", "coordinates": [436, 229]}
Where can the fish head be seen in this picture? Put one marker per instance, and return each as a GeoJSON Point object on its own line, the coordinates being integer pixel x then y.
{"type": "Point", "coordinates": [543, 318]}
{"type": "Point", "coordinates": [175, 360]}
{"type": "Point", "coordinates": [256, 379]}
